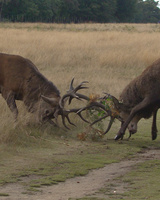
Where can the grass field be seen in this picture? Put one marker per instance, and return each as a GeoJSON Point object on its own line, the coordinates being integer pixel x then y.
{"type": "Point", "coordinates": [109, 56]}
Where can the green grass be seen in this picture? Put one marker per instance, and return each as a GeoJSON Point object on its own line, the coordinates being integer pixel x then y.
{"type": "Point", "coordinates": [37, 156]}
{"type": "Point", "coordinates": [56, 156]}
{"type": "Point", "coordinates": [4, 195]}
{"type": "Point", "coordinates": [144, 181]}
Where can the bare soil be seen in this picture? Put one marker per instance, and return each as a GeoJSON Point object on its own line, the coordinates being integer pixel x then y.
{"type": "Point", "coordinates": [80, 186]}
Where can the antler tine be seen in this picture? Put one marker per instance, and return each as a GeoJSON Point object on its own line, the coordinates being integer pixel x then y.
{"type": "Point", "coordinates": [63, 121]}
{"type": "Point", "coordinates": [74, 90]}
{"type": "Point", "coordinates": [106, 95]}
{"type": "Point", "coordinates": [101, 118]}
{"type": "Point", "coordinates": [71, 84]}
{"type": "Point", "coordinates": [64, 114]}
{"type": "Point", "coordinates": [98, 120]}
{"type": "Point", "coordinates": [82, 109]}
{"type": "Point", "coordinates": [95, 104]}
{"type": "Point", "coordinates": [80, 86]}
{"type": "Point", "coordinates": [101, 106]}
{"type": "Point", "coordinates": [109, 125]}
{"type": "Point", "coordinates": [72, 93]}
{"type": "Point", "coordinates": [79, 114]}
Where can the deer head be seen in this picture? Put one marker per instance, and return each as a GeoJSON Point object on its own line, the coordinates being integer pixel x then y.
{"type": "Point", "coordinates": [119, 111]}
{"type": "Point", "coordinates": [57, 105]}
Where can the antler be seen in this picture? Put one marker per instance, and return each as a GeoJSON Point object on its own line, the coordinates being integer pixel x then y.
{"type": "Point", "coordinates": [71, 93]}
{"type": "Point", "coordinates": [92, 103]}
{"type": "Point", "coordinates": [109, 111]}
{"type": "Point", "coordinates": [65, 115]}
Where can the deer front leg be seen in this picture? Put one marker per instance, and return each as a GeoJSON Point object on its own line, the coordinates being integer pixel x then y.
{"type": "Point", "coordinates": [10, 99]}
{"type": "Point", "coordinates": [154, 125]}
{"type": "Point", "coordinates": [134, 111]}
{"type": "Point", "coordinates": [124, 126]}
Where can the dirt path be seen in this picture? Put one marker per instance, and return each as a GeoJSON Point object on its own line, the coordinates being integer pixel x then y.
{"type": "Point", "coordinates": [80, 186]}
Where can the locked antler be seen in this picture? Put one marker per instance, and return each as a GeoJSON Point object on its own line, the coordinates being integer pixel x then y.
{"type": "Point", "coordinates": [92, 104]}
{"type": "Point", "coordinates": [109, 112]}
{"type": "Point", "coordinates": [71, 94]}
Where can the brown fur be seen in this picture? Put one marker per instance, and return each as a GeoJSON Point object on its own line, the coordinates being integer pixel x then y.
{"type": "Point", "coordinates": [21, 80]}
{"type": "Point", "coordinates": [141, 99]}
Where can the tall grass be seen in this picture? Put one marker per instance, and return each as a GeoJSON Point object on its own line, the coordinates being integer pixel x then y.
{"type": "Point", "coordinates": [106, 55]}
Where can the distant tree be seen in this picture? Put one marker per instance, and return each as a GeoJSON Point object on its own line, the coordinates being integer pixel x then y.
{"type": "Point", "coordinates": [14, 10]}
{"type": "Point", "coordinates": [96, 11]}
{"type": "Point", "coordinates": [2, 3]}
{"type": "Point", "coordinates": [106, 11]}
{"type": "Point", "coordinates": [45, 10]}
{"type": "Point", "coordinates": [147, 12]}
{"type": "Point", "coordinates": [21, 10]}
{"type": "Point", "coordinates": [55, 4]}
{"type": "Point", "coordinates": [125, 10]}
{"type": "Point", "coordinates": [31, 11]}
{"type": "Point", "coordinates": [68, 10]}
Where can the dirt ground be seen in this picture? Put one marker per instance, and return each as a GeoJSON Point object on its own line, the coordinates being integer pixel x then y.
{"type": "Point", "coordinates": [80, 186]}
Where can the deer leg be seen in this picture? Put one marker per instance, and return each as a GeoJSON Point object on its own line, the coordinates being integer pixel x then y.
{"type": "Point", "coordinates": [154, 125]}
{"type": "Point", "coordinates": [134, 111]}
{"type": "Point", "coordinates": [10, 99]}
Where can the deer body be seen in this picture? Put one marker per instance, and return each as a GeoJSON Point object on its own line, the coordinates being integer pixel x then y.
{"type": "Point", "coordinates": [140, 99]}
{"type": "Point", "coordinates": [21, 80]}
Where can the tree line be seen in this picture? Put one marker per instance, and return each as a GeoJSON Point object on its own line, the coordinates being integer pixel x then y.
{"type": "Point", "coordinates": [78, 11]}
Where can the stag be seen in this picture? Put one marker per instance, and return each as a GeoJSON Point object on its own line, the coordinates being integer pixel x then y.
{"type": "Point", "coordinates": [139, 99]}
{"type": "Point", "coordinates": [21, 80]}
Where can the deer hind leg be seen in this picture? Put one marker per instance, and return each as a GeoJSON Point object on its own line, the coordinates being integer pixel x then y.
{"type": "Point", "coordinates": [10, 99]}
{"type": "Point", "coordinates": [154, 125]}
{"type": "Point", "coordinates": [142, 105]}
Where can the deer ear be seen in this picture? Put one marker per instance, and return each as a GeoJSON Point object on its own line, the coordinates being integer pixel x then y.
{"type": "Point", "coordinates": [51, 101]}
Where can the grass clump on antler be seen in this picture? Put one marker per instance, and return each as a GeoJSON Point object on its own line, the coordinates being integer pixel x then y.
{"type": "Point", "coordinates": [109, 106]}
{"type": "Point", "coordinates": [96, 114]}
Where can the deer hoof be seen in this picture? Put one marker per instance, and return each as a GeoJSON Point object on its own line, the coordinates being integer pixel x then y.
{"type": "Point", "coordinates": [154, 136]}
{"type": "Point", "coordinates": [118, 137]}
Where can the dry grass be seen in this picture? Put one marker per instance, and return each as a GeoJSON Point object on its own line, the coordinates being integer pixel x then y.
{"type": "Point", "coordinates": [107, 55]}
{"type": "Point", "coordinates": [84, 27]}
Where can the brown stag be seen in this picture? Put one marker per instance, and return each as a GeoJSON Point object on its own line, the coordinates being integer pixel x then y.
{"type": "Point", "coordinates": [21, 80]}
{"type": "Point", "coordinates": [139, 99]}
